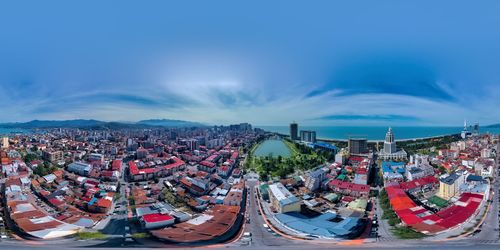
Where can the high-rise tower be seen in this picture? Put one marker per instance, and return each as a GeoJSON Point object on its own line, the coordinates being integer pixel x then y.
{"type": "Point", "coordinates": [294, 129]}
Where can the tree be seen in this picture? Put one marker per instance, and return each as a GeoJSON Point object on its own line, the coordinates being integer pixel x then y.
{"type": "Point", "coordinates": [442, 169]}
{"type": "Point", "coordinates": [30, 157]}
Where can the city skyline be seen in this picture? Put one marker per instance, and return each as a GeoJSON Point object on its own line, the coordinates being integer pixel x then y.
{"type": "Point", "coordinates": [338, 64]}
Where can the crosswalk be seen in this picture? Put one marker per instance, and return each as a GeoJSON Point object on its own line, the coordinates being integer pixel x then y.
{"type": "Point", "coordinates": [386, 239]}
{"type": "Point", "coordinates": [487, 241]}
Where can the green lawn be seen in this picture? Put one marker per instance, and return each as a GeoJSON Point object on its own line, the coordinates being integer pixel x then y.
{"type": "Point", "coordinates": [438, 201]}
{"type": "Point", "coordinates": [140, 235]}
{"type": "Point", "coordinates": [407, 233]}
{"type": "Point", "coordinates": [90, 236]}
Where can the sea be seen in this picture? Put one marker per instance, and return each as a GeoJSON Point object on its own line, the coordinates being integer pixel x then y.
{"type": "Point", "coordinates": [375, 132]}
{"type": "Point", "coordinates": [13, 131]}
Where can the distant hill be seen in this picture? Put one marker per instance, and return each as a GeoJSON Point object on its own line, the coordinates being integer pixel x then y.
{"type": "Point", "coordinates": [82, 123]}
{"type": "Point", "coordinates": [53, 124]}
{"type": "Point", "coordinates": [171, 123]}
{"type": "Point", "coordinates": [493, 126]}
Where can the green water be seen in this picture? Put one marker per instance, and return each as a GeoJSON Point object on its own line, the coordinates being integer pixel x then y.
{"type": "Point", "coordinates": [274, 147]}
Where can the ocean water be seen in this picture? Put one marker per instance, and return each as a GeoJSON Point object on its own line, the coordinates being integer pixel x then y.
{"type": "Point", "coordinates": [374, 133]}
{"type": "Point", "coordinates": [12, 131]}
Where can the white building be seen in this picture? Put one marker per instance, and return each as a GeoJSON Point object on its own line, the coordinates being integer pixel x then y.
{"type": "Point", "coordinates": [96, 157]}
{"type": "Point", "coordinates": [390, 152]}
{"type": "Point", "coordinates": [282, 200]}
{"type": "Point", "coordinates": [314, 179]}
{"type": "Point", "coordinates": [5, 142]}
{"type": "Point", "coordinates": [80, 168]}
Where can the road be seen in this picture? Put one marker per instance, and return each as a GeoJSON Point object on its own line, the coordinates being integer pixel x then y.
{"type": "Point", "coordinates": [260, 236]}
{"type": "Point", "coordinates": [490, 228]}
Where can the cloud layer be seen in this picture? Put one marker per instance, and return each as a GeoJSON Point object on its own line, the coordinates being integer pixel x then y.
{"type": "Point", "coordinates": [390, 63]}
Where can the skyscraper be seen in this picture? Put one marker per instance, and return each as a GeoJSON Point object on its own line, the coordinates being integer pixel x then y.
{"type": "Point", "coordinates": [390, 152]}
{"type": "Point", "coordinates": [389, 144]}
{"type": "Point", "coordinates": [358, 146]}
{"type": "Point", "coordinates": [294, 129]}
{"type": "Point", "coordinates": [465, 133]}
{"type": "Point", "coordinates": [308, 136]}
{"type": "Point", "coordinates": [475, 129]}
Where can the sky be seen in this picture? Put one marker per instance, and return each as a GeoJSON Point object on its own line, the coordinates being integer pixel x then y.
{"type": "Point", "coordinates": [396, 63]}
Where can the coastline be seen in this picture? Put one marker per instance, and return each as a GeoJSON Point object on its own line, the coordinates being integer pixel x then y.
{"type": "Point", "coordinates": [374, 141]}
{"type": "Point", "coordinates": [400, 140]}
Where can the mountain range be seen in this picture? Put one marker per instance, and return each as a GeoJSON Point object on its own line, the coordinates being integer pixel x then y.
{"type": "Point", "coordinates": [90, 123]}
{"type": "Point", "coordinates": [493, 126]}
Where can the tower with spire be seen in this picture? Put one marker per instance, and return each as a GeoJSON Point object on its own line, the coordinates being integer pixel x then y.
{"type": "Point", "coordinates": [465, 133]}
{"type": "Point", "coordinates": [389, 143]}
{"type": "Point", "coordinates": [390, 152]}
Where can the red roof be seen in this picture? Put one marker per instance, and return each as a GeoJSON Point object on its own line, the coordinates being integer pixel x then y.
{"type": "Point", "coordinates": [56, 202]}
{"type": "Point", "coordinates": [450, 217]}
{"type": "Point", "coordinates": [107, 173]}
{"type": "Point", "coordinates": [116, 165]}
{"type": "Point", "coordinates": [150, 218]}
{"type": "Point", "coordinates": [348, 185]}
{"type": "Point", "coordinates": [418, 182]}
{"type": "Point", "coordinates": [104, 203]}
{"type": "Point", "coordinates": [212, 157]}
{"type": "Point", "coordinates": [177, 163]}
{"type": "Point", "coordinates": [207, 164]}
{"type": "Point", "coordinates": [361, 171]}
{"type": "Point", "coordinates": [356, 158]}
{"type": "Point", "coordinates": [234, 155]}
{"type": "Point", "coordinates": [134, 170]}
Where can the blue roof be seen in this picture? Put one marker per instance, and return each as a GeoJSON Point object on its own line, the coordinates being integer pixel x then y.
{"type": "Point", "coordinates": [392, 163]}
{"type": "Point", "coordinates": [400, 170]}
{"type": "Point", "coordinates": [387, 169]}
{"type": "Point", "coordinates": [92, 201]}
{"type": "Point", "coordinates": [289, 200]}
{"type": "Point", "coordinates": [477, 178]}
{"type": "Point", "coordinates": [324, 145]}
{"type": "Point", "coordinates": [320, 225]}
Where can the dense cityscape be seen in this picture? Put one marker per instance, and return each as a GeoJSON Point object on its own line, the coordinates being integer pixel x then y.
{"type": "Point", "coordinates": [249, 124]}
{"type": "Point", "coordinates": [239, 186]}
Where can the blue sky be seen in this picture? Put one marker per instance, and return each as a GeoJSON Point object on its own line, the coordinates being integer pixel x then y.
{"type": "Point", "coordinates": [264, 62]}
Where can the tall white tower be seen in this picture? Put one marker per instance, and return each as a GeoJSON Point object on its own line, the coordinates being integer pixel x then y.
{"type": "Point", "coordinates": [389, 144]}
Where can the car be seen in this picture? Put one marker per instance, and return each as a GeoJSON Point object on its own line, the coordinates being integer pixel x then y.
{"type": "Point", "coordinates": [247, 234]}
{"type": "Point", "coordinates": [265, 225]}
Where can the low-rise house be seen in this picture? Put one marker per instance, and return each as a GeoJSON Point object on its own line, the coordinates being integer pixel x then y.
{"type": "Point", "coordinates": [80, 168]}
{"type": "Point", "coordinates": [348, 188]}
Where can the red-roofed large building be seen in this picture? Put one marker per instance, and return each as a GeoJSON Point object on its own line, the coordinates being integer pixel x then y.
{"type": "Point", "coordinates": [207, 166]}
{"type": "Point", "coordinates": [348, 188]}
{"type": "Point", "coordinates": [116, 165]}
{"type": "Point", "coordinates": [428, 222]}
{"type": "Point", "coordinates": [157, 220]}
